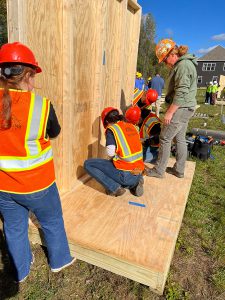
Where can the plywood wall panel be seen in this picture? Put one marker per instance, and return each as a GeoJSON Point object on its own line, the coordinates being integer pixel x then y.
{"type": "Point", "coordinates": [42, 32]}
{"type": "Point", "coordinates": [84, 48]}
{"type": "Point", "coordinates": [132, 30]}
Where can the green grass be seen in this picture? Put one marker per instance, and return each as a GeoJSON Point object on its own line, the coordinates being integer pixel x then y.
{"type": "Point", "coordinates": [197, 270]}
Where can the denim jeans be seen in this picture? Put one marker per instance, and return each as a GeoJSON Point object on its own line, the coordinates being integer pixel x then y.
{"type": "Point", "coordinates": [111, 178]}
{"type": "Point", "coordinates": [46, 206]}
{"type": "Point", "coordinates": [150, 154]}
{"type": "Point", "coordinates": [176, 129]}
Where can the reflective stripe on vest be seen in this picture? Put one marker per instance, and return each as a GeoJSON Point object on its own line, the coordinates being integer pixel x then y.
{"type": "Point", "coordinates": [16, 164]}
{"type": "Point", "coordinates": [147, 125]}
{"type": "Point", "coordinates": [35, 124]}
{"type": "Point", "coordinates": [127, 155]}
{"type": "Point", "coordinates": [35, 155]}
{"type": "Point", "coordinates": [137, 96]}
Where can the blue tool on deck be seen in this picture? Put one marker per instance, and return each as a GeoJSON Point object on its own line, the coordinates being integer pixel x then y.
{"type": "Point", "coordinates": [137, 204]}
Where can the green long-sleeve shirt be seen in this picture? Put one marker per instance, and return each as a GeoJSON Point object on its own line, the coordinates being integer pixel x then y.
{"type": "Point", "coordinates": [182, 86]}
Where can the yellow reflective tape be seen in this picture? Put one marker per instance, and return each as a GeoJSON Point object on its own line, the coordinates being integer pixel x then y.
{"type": "Point", "coordinates": [46, 120]}
{"type": "Point", "coordinates": [125, 140]}
{"type": "Point", "coordinates": [32, 100]}
{"type": "Point", "coordinates": [118, 139]}
{"type": "Point", "coordinates": [29, 168]}
{"type": "Point", "coordinates": [41, 124]}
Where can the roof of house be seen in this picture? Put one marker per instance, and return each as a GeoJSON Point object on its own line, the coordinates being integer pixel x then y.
{"type": "Point", "coordinates": [216, 54]}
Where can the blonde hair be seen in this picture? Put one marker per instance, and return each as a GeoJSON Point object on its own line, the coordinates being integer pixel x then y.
{"type": "Point", "coordinates": [180, 51]}
{"type": "Point", "coordinates": [11, 82]}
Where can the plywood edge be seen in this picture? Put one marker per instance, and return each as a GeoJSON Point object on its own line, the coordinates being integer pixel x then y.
{"type": "Point", "coordinates": [154, 280]}
{"type": "Point", "coordinates": [178, 230]}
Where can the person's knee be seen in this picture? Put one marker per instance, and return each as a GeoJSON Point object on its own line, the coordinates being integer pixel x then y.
{"type": "Point", "coordinates": [86, 163]}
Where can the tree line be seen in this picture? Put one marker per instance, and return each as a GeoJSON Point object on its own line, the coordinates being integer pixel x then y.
{"type": "Point", "coordinates": [3, 22]}
{"type": "Point", "coordinates": [147, 62]}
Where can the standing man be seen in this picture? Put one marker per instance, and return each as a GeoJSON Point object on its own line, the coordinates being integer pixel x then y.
{"type": "Point", "coordinates": [180, 96]}
{"type": "Point", "coordinates": [157, 83]}
{"type": "Point", "coordinates": [208, 94]}
{"type": "Point", "coordinates": [214, 91]}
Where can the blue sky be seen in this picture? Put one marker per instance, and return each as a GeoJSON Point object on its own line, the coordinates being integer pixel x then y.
{"type": "Point", "coordinates": [199, 24]}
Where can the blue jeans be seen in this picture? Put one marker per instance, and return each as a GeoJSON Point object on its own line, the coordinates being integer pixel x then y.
{"type": "Point", "coordinates": [46, 206]}
{"type": "Point", "coordinates": [111, 178]}
{"type": "Point", "coordinates": [150, 154]}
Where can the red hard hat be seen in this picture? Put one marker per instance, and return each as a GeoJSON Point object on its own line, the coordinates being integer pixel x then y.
{"type": "Point", "coordinates": [105, 113]}
{"type": "Point", "coordinates": [18, 53]}
{"type": "Point", "coordinates": [151, 96]}
{"type": "Point", "coordinates": [133, 114]}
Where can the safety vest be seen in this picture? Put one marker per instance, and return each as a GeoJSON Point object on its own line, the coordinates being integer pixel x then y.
{"type": "Point", "coordinates": [209, 89]}
{"type": "Point", "coordinates": [137, 96]}
{"type": "Point", "coordinates": [214, 88]}
{"type": "Point", "coordinates": [147, 125]}
{"type": "Point", "coordinates": [26, 161]}
{"type": "Point", "coordinates": [129, 154]}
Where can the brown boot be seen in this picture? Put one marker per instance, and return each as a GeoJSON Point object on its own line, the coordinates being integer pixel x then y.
{"type": "Point", "coordinates": [138, 190]}
{"type": "Point", "coordinates": [119, 192]}
{"type": "Point", "coordinates": [174, 172]}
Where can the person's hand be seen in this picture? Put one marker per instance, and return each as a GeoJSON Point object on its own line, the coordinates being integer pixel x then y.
{"type": "Point", "coordinates": [167, 118]}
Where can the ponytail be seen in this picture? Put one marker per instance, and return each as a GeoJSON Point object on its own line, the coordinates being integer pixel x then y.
{"type": "Point", "coordinates": [5, 105]}
{"type": "Point", "coordinates": [113, 117]}
{"type": "Point", "coordinates": [180, 51]}
{"type": "Point", "coordinates": [10, 78]}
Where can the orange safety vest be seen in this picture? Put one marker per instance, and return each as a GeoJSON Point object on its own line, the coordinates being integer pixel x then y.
{"type": "Point", "coordinates": [26, 161]}
{"type": "Point", "coordinates": [147, 125]}
{"type": "Point", "coordinates": [129, 154]}
{"type": "Point", "coordinates": [137, 96]}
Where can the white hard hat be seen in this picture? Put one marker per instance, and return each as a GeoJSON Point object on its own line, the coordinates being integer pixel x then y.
{"type": "Point", "coordinates": [215, 82]}
{"type": "Point", "coordinates": [210, 82]}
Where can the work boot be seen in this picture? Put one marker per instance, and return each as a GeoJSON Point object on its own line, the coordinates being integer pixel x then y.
{"type": "Point", "coordinates": [138, 190]}
{"type": "Point", "coordinates": [153, 173]}
{"type": "Point", "coordinates": [118, 192]}
{"type": "Point", "coordinates": [174, 172]}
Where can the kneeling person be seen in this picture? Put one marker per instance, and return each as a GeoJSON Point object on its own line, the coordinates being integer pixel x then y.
{"type": "Point", "coordinates": [149, 129]}
{"type": "Point", "coordinates": [125, 167]}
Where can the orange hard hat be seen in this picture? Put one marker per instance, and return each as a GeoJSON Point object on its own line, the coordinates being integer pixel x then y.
{"type": "Point", "coordinates": [105, 112]}
{"type": "Point", "coordinates": [133, 114]}
{"type": "Point", "coordinates": [163, 48]}
{"type": "Point", "coordinates": [18, 53]}
{"type": "Point", "coordinates": [151, 96]}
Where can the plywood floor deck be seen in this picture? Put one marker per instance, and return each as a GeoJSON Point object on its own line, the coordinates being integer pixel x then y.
{"type": "Point", "coordinates": [133, 241]}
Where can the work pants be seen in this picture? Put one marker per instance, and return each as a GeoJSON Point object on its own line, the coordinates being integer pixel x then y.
{"type": "Point", "coordinates": [47, 208]}
{"type": "Point", "coordinates": [106, 174]}
{"type": "Point", "coordinates": [150, 154]}
{"type": "Point", "coordinates": [176, 129]}
{"type": "Point", "coordinates": [157, 106]}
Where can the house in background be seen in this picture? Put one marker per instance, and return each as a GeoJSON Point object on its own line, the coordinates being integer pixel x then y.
{"type": "Point", "coordinates": [211, 66]}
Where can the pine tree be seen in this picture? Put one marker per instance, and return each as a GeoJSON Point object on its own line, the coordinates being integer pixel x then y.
{"type": "Point", "coordinates": [147, 62]}
{"type": "Point", "coordinates": [3, 22]}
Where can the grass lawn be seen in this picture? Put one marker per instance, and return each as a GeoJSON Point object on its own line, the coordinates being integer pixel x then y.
{"type": "Point", "coordinates": [198, 265]}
